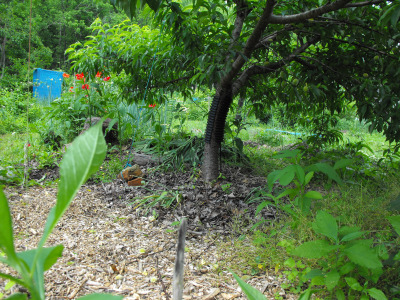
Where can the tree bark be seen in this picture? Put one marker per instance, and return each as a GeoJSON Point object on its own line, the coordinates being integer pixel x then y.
{"type": "Point", "coordinates": [215, 131]}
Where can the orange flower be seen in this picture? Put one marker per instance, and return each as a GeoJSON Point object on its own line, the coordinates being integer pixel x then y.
{"type": "Point", "coordinates": [65, 75]}
{"type": "Point", "coordinates": [98, 75]}
{"type": "Point", "coordinates": [80, 76]}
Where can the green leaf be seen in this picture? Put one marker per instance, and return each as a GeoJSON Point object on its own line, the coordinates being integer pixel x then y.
{"type": "Point", "coordinates": [361, 254]}
{"type": "Point", "coordinates": [326, 225]}
{"type": "Point", "coordinates": [313, 195]}
{"type": "Point", "coordinates": [251, 293]}
{"type": "Point", "coordinates": [352, 236]}
{"type": "Point", "coordinates": [314, 273]}
{"type": "Point", "coordinates": [6, 231]}
{"type": "Point", "coordinates": [346, 268]}
{"type": "Point", "coordinates": [395, 221]}
{"type": "Point", "coordinates": [40, 260]}
{"type": "Point", "coordinates": [328, 171]}
{"type": "Point", "coordinates": [314, 249]}
{"type": "Point", "coordinates": [17, 296]}
{"type": "Point", "coordinates": [340, 295]}
{"type": "Point", "coordinates": [342, 163]}
{"type": "Point", "coordinates": [101, 297]}
{"type": "Point", "coordinates": [261, 206]}
{"type": "Point", "coordinates": [287, 154]}
{"type": "Point", "coordinates": [353, 284]}
{"type": "Point", "coordinates": [306, 295]}
{"type": "Point", "coordinates": [82, 159]}
{"type": "Point", "coordinates": [376, 294]}
{"type": "Point", "coordinates": [287, 175]}
{"type": "Point", "coordinates": [300, 173]}
{"type": "Point", "coordinates": [332, 280]}
{"type": "Point", "coordinates": [308, 177]}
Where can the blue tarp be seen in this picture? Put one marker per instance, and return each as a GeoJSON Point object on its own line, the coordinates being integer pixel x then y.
{"type": "Point", "coordinates": [47, 84]}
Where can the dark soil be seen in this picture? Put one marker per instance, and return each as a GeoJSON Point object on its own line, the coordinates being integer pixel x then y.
{"type": "Point", "coordinates": [206, 205]}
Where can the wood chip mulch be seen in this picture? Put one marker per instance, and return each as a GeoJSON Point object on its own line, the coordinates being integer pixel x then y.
{"type": "Point", "coordinates": [111, 248]}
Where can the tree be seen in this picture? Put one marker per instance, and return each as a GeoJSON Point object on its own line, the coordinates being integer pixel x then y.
{"type": "Point", "coordinates": [315, 56]}
{"type": "Point", "coordinates": [55, 24]}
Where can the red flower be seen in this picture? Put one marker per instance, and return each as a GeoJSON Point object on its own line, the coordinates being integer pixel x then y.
{"type": "Point", "coordinates": [80, 76]}
{"type": "Point", "coordinates": [152, 105]}
{"type": "Point", "coordinates": [65, 75]}
{"type": "Point", "coordinates": [28, 144]}
{"type": "Point", "coordinates": [71, 89]}
{"type": "Point", "coordinates": [106, 78]}
{"type": "Point", "coordinates": [98, 75]}
{"type": "Point", "coordinates": [85, 86]}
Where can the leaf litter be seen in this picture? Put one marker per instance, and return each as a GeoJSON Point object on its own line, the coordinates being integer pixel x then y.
{"type": "Point", "coordinates": [113, 246]}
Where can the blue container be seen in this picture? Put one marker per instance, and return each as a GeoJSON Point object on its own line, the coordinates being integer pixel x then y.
{"type": "Point", "coordinates": [47, 84]}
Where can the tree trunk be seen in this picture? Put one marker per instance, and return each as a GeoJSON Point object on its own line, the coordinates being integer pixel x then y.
{"type": "Point", "coordinates": [215, 132]}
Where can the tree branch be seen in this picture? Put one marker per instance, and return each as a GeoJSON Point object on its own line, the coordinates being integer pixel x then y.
{"type": "Point", "coordinates": [242, 11]}
{"type": "Point", "coordinates": [365, 3]}
{"type": "Point", "coordinates": [273, 19]}
{"type": "Point", "coordinates": [251, 42]}
{"type": "Point", "coordinates": [269, 68]}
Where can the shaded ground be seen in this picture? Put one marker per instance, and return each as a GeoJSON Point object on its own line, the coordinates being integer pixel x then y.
{"type": "Point", "coordinates": [112, 247]}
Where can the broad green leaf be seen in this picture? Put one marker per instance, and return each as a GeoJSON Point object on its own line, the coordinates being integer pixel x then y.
{"type": "Point", "coordinates": [376, 294]}
{"type": "Point", "coordinates": [353, 284]}
{"type": "Point", "coordinates": [287, 154]}
{"type": "Point", "coordinates": [40, 260]}
{"type": "Point", "coordinates": [251, 293]}
{"type": "Point", "coordinates": [287, 175]}
{"type": "Point", "coordinates": [352, 236]}
{"type": "Point", "coordinates": [342, 163]}
{"type": "Point", "coordinates": [300, 173]}
{"type": "Point", "coordinates": [332, 280]}
{"type": "Point", "coordinates": [326, 225]}
{"type": "Point", "coordinates": [272, 178]}
{"type": "Point", "coordinates": [328, 171]}
{"type": "Point", "coordinates": [314, 273]}
{"type": "Point", "coordinates": [397, 256]}
{"type": "Point", "coordinates": [340, 295]}
{"type": "Point", "coordinates": [291, 263]}
{"type": "Point", "coordinates": [6, 231]}
{"type": "Point", "coordinates": [363, 255]}
{"type": "Point", "coordinates": [82, 159]}
{"type": "Point", "coordinates": [346, 268]}
{"type": "Point", "coordinates": [314, 249]}
{"type": "Point", "coordinates": [313, 195]}
{"type": "Point", "coordinates": [17, 296]}
{"type": "Point", "coordinates": [308, 177]}
{"type": "Point", "coordinates": [101, 297]}
{"type": "Point", "coordinates": [306, 295]}
{"type": "Point", "coordinates": [395, 221]}
{"type": "Point", "coordinates": [345, 230]}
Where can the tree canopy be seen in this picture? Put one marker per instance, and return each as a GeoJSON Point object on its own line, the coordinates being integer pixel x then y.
{"type": "Point", "coordinates": [55, 25]}
{"type": "Point", "coordinates": [313, 56]}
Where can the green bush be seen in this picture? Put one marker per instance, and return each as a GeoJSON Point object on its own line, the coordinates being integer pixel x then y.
{"type": "Point", "coordinates": [13, 110]}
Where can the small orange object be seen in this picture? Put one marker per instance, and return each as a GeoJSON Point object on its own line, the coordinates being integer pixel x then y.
{"type": "Point", "coordinates": [135, 182]}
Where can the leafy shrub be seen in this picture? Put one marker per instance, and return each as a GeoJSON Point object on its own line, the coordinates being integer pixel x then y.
{"type": "Point", "coordinates": [348, 265]}
{"type": "Point", "coordinates": [13, 112]}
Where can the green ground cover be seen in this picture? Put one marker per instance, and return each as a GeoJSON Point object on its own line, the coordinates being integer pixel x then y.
{"type": "Point", "coordinates": [364, 201]}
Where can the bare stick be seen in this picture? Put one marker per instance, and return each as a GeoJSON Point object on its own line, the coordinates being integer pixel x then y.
{"type": "Point", "coordinates": [177, 281]}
